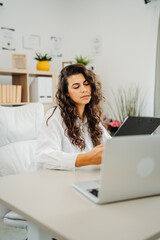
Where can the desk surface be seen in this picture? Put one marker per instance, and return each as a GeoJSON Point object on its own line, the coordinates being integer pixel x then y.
{"type": "Point", "coordinates": [48, 199]}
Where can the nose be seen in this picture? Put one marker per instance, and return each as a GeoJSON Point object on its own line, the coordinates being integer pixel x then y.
{"type": "Point", "coordinates": [83, 88]}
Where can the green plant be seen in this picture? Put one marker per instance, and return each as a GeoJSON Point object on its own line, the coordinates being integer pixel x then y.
{"type": "Point", "coordinates": [125, 103]}
{"type": "Point", "coordinates": [83, 60]}
{"type": "Point", "coordinates": [40, 57]}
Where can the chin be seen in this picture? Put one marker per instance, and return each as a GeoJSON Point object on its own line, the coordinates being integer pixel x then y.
{"type": "Point", "coordinates": [86, 101]}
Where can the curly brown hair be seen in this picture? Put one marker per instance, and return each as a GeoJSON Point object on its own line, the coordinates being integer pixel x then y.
{"type": "Point", "coordinates": [69, 111]}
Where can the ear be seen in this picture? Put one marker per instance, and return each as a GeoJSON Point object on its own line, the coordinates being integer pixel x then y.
{"type": "Point", "coordinates": [67, 94]}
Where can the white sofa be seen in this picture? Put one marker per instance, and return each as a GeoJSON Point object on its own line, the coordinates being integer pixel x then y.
{"type": "Point", "coordinates": [19, 128]}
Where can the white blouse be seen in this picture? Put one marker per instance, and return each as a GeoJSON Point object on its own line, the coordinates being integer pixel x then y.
{"type": "Point", "coordinates": [55, 151]}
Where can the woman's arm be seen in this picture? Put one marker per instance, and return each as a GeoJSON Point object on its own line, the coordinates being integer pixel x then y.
{"type": "Point", "coordinates": [49, 152]}
{"type": "Point", "coordinates": [92, 157]}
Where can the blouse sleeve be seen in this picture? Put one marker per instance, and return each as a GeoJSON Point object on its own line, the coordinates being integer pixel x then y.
{"type": "Point", "coordinates": [49, 152]}
{"type": "Point", "coordinates": [106, 135]}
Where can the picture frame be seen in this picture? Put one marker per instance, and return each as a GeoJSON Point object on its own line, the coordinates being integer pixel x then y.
{"type": "Point", "coordinates": [19, 61]}
{"type": "Point", "coordinates": [64, 64]}
{"type": "Point", "coordinates": [31, 41]}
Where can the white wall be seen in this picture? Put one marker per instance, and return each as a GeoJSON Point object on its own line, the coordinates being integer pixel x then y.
{"type": "Point", "coordinates": [127, 28]}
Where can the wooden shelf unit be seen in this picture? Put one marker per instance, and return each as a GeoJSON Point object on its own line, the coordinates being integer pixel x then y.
{"type": "Point", "coordinates": [21, 77]}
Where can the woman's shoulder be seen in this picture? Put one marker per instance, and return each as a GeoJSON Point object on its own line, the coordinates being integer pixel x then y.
{"type": "Point", "coordinates": [53, 113]}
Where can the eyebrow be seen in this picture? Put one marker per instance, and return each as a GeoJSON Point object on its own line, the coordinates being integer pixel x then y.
{"type": "Point", "coordinates": [78, 83]}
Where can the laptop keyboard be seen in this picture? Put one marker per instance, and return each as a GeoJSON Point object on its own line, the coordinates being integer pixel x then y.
{"type": "Point", "coordinates": [94, 191]}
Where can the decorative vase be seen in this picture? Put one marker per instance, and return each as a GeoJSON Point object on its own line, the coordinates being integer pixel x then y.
{"type": "Point", "coordinates": [43, 66]}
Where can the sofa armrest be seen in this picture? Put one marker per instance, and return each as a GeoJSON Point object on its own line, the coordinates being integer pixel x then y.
{"type": "Point", "coordinates": [17, 157]}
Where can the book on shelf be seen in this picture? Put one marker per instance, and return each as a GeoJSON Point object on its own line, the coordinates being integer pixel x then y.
{"type": "Point", "coordinates": [10, 93]}
{"type": "Point", "coordinates": [7, 93]}
{"type": "Point", "coordinates": [19, 93]}
{"type": "Point", "coordinates": [13, 93]}
{"type": "Point", "coordinates": [3, 92]}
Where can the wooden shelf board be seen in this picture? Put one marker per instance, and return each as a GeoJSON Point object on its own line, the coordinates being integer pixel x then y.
{"type": "Point", "coordinates": [4, 71]}
{"type": "Point", "coordinates": [12, 71]}
{"type": "Point", "coordinates": [21, 103]}
{"type": "Point", "coordinates": [40, 73]}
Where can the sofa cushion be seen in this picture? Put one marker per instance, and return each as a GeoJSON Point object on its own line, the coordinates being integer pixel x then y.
{"type": "Point", "coordinates": [13, 219]}
{"type": "Point", "coordinates": [15, 223]}
{"type": "Point", "coordinates": [17, 157]}
{"type": "Point", "coordinates": [14, 216]}
{"type": "Point", "coordinates": [20, 123]}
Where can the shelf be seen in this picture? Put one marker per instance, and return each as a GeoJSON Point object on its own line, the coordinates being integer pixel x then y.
{"type": "Point", "coordinates": [21, 77]}
{"type": "Point", "coordinates": [25, 71]}
{"type": "Point", "coordinates": [12, 71]}
{"type": "Point", "coordinates": [40, 73]}
{"type": "Point", "coordinates": [10, 104]}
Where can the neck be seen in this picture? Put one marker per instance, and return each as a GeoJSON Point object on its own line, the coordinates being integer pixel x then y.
{"type": "Point", "coordinates": [80, 109]}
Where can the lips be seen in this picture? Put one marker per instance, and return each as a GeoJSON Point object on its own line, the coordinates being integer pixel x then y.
{"type": "Point", "coordinates": [85, 96]}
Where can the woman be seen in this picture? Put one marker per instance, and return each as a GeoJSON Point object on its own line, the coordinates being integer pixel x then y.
{"type": "Point", "coordinates": [72, 134]}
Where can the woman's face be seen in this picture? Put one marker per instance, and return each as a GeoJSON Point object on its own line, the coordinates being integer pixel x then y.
{"type": "Point", "coordinates": [79, 89]}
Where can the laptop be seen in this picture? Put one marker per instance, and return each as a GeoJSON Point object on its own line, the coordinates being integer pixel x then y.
{"type": "Point", "coordinates": [130, 169]}
{"type": "Point", "coordinates": [133, 125]}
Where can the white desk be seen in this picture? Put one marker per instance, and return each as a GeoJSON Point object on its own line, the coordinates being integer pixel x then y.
{"type": "Point", "coordinates": [48, 200]}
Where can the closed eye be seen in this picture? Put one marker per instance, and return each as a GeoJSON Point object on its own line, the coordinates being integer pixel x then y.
{"type": "Point", "coordinates": [76, 87]}
{"type": "Point", "coordinates": [86, 83]}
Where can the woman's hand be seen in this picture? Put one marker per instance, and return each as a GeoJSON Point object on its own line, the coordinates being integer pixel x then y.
{"type": "Point", "coordinates": [93, 157]}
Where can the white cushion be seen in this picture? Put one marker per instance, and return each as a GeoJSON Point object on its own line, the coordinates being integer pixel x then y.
{"type": "Point", "coordinates": [20, 123]}
{"type": "Point", "coordinates": [14, 216]}
{"type": "Point", "coordinates": [17, 157]}
{"type": "Point", "coordinates": [15, 223]}
{"type": "Point", "coordinates": [13, 219]}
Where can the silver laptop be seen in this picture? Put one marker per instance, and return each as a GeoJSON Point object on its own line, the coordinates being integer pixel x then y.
{"type": "Point", "coordinates": [130, 169]}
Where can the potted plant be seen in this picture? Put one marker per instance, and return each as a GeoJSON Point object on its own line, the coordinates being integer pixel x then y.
{"type": "Point", "coordinates": [110, 125]}
{"type": "Point", "coordinates": [126, 102]}
{"type": "Point", "coordinates": [43, 62]}
{"type": "Point", "coordinates": [83, 60]}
